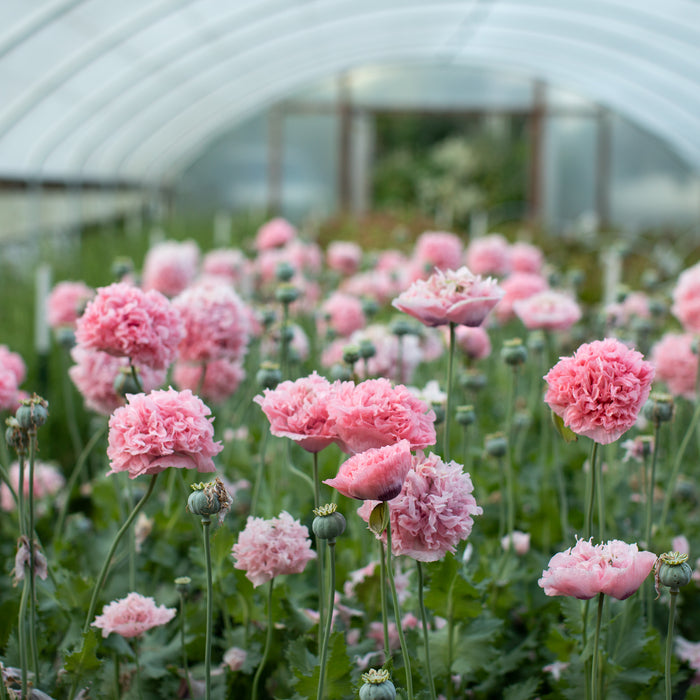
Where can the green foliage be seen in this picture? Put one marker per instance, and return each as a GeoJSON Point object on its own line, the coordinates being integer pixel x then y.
{"type": "Point", "coordinates": [338, 682]}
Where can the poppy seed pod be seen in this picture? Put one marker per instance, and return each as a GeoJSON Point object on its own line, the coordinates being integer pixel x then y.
{"type": "Point", "coordinates": [673, 570]}
{"type": "Point", "coordinates": [328, 523]}
{"type": "Point", "coordinates": [514, 353]}
{"type": "Point", "coordinates": [286, 293]}
{"type": "Point", "coordinates": [33, 413]}
{"type": "Point", "coordinates": [377, 686]}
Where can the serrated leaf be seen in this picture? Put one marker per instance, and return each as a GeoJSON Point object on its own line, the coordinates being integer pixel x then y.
{"type": "Point", "coordinates": [301, 660]}
{"type": "Point", "coordinates": [568, 434]}
{"type": "Point", "coordinates": [84, 658]}
{"type": "Point", "coordinates": [522, 691]}
{"type": "Point", "coordinates": [338, 670]}
{"type": "Point", "coordinates": [379, 518]}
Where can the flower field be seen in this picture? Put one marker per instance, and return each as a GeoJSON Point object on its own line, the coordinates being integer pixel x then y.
{"type": "Point", "coordinates": [455, 469]}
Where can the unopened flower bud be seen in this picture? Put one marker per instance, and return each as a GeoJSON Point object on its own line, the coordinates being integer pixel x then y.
{"type": "Point", "coordinates": [496, 445]}
{"type": "Point", "coordinates": [513, 352]}
{"type": "Point", "coordinates": [328, 523]}
{"type": "Point", "coordinates": [287, 293]}
{"type": "Point", "coordinates": [465, 415]}
{"type": "Point", "coordinates": [351, 354]}
{"type": "Point", "coordinates": [367, 349]}
{"type": "Point", "coordinates": [659, 408]}
{"type": "Point", "coordinates": [377, 686]}
{"type": "Point", "coordinates": [284, 271]}
{"type": "Point", "coordinates": [400, 327]}
{"type": "Point", "coordinates": [269, 375]}
{"type": "Point", "coordinates": [439, 410]}
{"type": "Point", "coordinates": [32, 413]}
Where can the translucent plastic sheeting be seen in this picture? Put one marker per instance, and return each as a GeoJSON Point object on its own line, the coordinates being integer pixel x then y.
{"type": "Point", "coordinates": [94, 88]}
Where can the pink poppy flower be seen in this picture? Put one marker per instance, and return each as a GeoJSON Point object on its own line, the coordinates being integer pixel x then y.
{"type": "Point", "coordinates": [599, 391]}
{"type": "Point", "coordinates": [48, 481]}
{"type": "Point", "coordinates": [160, 430]}
{"type": "Point", "coordinates": [9, 391]}
{"type": "Point", "coordinates": [525, 257]}
{"type": "Point", "coordinates": [634, 305]}
{"type": "Point", "coordinates": [216, 324]}
{"type": "Point", "coordinates": [375, 284]}
{"type": "Point", "coordinates": [126, 322]}
{"type": "Point", "coordinates": [434, 511]}
{"type": "Point", "coordinates": [95, 372]}
{"type": "Point", "coordinates": [520, 541]}
{"type": "Point", "coordinates": [299, 345]}
{"type": "Point", "coordinates": [229, 264]}
{"type": "Point", "coordinates": [374, 413]}
{"type": "Point", "coordinates": [519, 285]}
{"type": "Point", "coordinates": [615, 568]}
{"type": "Point", "coordinates": [234, 658]}
{"type": "Point", "coordinates": [132, 616]}
{"type": "Point", "coordinates": [473, 342]}
{"type": "Point", "coordinates": [438, 250]}
{"type": "Point", "coordinates": [221, 378]}
{"type": "Point", "coordinates": [548, 310]}
{"type": "Point", "coordinates": [66, 302]}
{"type": "Point", "coordinates": [342, 313]}
{"type": "Point", "coordinates": [13, 362]}
{"type": "Point", "coordinates": [450, 297]}
{"type": "Point", "coordinates": [170, 267]}
{"type": "Point", "coordinates": [686, 299]}
{"type": "Point", "coordinates": [269, 548]}
{"type": "Point", "coordinates": [376, 474]}
{"type": "Point", "coordinates": [298, 410]}
{"type": "Point", "coordinates": [676, 364]}
{"type": "Point", "coordinates": [690, 652]}
{"type": "Point", "coordinates": [275, 233]}
{"type": "Point", "coordinates": [344, 257]}
{"type": "Point", "coordinates": [489, 255]}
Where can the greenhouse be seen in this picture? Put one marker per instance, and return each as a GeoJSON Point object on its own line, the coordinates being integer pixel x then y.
{"type": "Point", "coordinates": [349, 349]}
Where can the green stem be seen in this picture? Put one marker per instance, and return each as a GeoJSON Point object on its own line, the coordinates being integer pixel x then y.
{"type": "Point", "coordinates": [397, 616]}
{"type": "Point", "coordinates": [21, 634]}
{"type": "Point", "coordinates": [448, 404]}
{"type": "Point", "coordinates": [135, 375]}
{"type": "Point", "coordinates": [32, 570]}
{"type": "Point", "coordinates": [382, 599]}
{"type": "Point", "coordinates": [600, 495]}
{"type": "Point", "coordinates": [117, 684]}
{"type": "Point", "coordinates": [20, 497]}
{"type": "Point", "coordinates": [182, 644]}
{"type": "Point", "coordinates": [669, 643]}
{"type": "Point", "coordinates": [284, 342]}
{"type": "Point", "coordinates": [329, 621]}
{"type": "Point", "coordinates": [132, 540]}
{"type": "Point", "coordinates": [450, 635]}
{"type": "Point", "coordinates": [268, 642]}
{"type": "Point", "coordinates": [69, 403]}
{"type": "Point", "coordinates": [108, 559]}
{"type": "Point", "coordinates": [424, 622]}
{"type": "Point", "coordinates": [320, 552]}
{"type": "Point", "coordinates": [589, 510]}
{"type": "Point", "coordinates": [82, 459]}
{"type": "Point", "coordinates": [206, 523]}
{"type": "Point", "coordinates": [137, 654]}
{"type": "Point", "coordinates": [650, 508]}
{"type": "Point", "coordinates": [260, 475]}
{"type": "Point", "coordinates": [594, 671]}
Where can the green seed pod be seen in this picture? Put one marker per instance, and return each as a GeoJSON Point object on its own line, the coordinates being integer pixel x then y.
{"type": "Point", "coordinates": [496, 445]}
{"type": "Point", "coordinates": [465, 415]}
{"type": "Point", "coordinates": [269, 375]}
{"type": "Point", "coordinates": [284, 271]}
{"type": "Point", "coordinates": [369, 307]}
{"type": "Point", "coordinates": [202, 503]}
{"type": "Point", "coordinates": [328, 523]}
{"type": "Point", "coordinates": [377, 686]}
{"type": "Point", "coordinates": [351, 354]}
{"type": "Point", "coordinates": [367, 349]}
{"type": "Point", "coordinates": [536, 341]}
{"type": "Point", "coordinates": [673, 570]}
{"type": "Point", "coordinates": [287, 293]}
{"type": "Point", "coordinates": [473, 380]}
{"type": "Point", "coordinates": [439, 410]}
{"type": "Point", "coordinates": [33, 413]}
{"type": "Point", "coordinates": [659, 408]}
{"type": "Point", "coordinates": [182, 584]}
{"type": "Point", "coordinates": [513, 352]}
{"type": "Point", "coordinates": [342, 372]}
{"type": "Point", "coordinates": [15, 437]}
{"type": "Point", "coordinates": [401, 327]}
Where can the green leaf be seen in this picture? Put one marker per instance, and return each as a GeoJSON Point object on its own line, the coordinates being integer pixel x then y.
{"type": "Point", "coordinates": [338, 670]}
{"type": "Point", "coordinates": [568, 434]}
{"type": "Point", "coordinates": [379, 518]}
{"type": "Point", "coordinates": [522, 691]}
{"type": "Point", "coordinates": [84, 658]}
{"type": "Point", "coordinates": [301, 660]}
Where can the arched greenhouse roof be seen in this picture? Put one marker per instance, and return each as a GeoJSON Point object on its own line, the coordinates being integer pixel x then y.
{"type": "Point", "coordinates": [133, 90]}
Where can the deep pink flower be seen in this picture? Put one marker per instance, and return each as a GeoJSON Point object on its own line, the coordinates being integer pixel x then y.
{"type": "Point", "coordinates": [599, 391]}
{"type": "Point", "coordinates": [548, 310]}
{"type": "Point", "coordinates": [160, 430]}
{"type": "Point", "coordinates": [95, 372]}
{"type": "Point", "coordinates": [438, 250]}
{"type": "Point", "coordinates": [615, 568]}
{"type": "Point", "coordinates": [132, 616]}
{"type": "Point", "coordinates": [170, 267]}
{"type": "Point", "coordinates": [474, 342]}
{"type": "Point", "coordinates": [66, 302]}
{"type": "Point", "coordinates": [676, 364]}
{"type": "Point", "coordinates": [13, 362]}
{"type": "Point", "coordinates": [376, 474]}
{"type": "Point", "coordinates": [519, 285]}
{"type": "Point", "coordinates": [298, 410]}
{"type": "Point", "coordinates": [216, 324]}
{"type": "Point", "coordinates": [269, 548]}
{"type": "Point", "coordinates": [126, 322]}
{"type": "Point", "coordinates": [275, 233]}
{"type": "Point", "coordinates": [450, 297]}
{"type": "Point", "coordinates": [686, 299]}
{"type": "Point", "coordinates": [48, 481]}
{"type": "Point", "coordinates": [342, 313]}
{"type": "Point", "coordinates": [221, 378]}
{"type": "Point", "coordinates": [489, 255]}
{"type": "Point", "coordinates": [374, 413]}
{"type": "Point", "coordinates": [344, 257]}
{"type": "Point", "coordinates": [525, 257]}
{"type": "Point", "coordinates": [434, 511]}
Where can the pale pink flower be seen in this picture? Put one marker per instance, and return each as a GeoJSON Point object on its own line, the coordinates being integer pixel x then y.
{"type": "Point", "coordinates": [344, 257]}
{"type": "Point", "coordinates": [269, 548]}
{"type": "Point", "coordinates": [275, 233]}
{"type": "Point", "coordinates": [433, 342]}
{"type": "Point", "coordinates": [298, 410]}
{"type": "Point", "coordinates": [680, 544]}
{"type": "Point", "coordinates": [634, 305]}
{"type": "Point", "coordinates": [636, 448]}
{"type": "Point", "coordinates": [686, 299]}
{"type": "Point", "coordinates": [306, 256]}
{"type": "Point", "coordinates": [126, 322]}
{"type": "Point", "coordinates": [556, 668]}
{"type": "Point", "coordinates": [549, 310]}
{"type": "Point", "coordinates": [489, 255]}
{"type": "Point", "coordinates": [438, 250]}
{"type": "Point", "coordinates": [142, 529]}
{"type": "Point", "coordinates": [375, 474]}
{"type": "Point", "coordinates": [23, 559]}
{"type": "Point", "coordinates": [431, 393]}
{"type": "Point", "coordinates": [132, 616]}
{"type": "Point", "coordinates": [13, 362]}
{"type": "Point", "coordinates": [95, 372]}
{"type": "Point", "coordinates": [234, 658]}
{"type": "Point", "coordinates": [474, 342]}
{"type": "Point", "coordinates": [434, 511]}
{"type": "Point", "coordinates": [9, 391]}
{"type": "Point", "coordinates": [519, 285]}
{"type": "Point", "coordinates": [48, 482]}
{"type": "Point", "coordinates": [216, 324]}
{"type": "Point", "coordinates": [676, 364]}
{"type": "Point", "coordinates": [229, 264]}
{"type": "Point", "coordinates": [375, 284]}
{"type": "Point", "coordinates": [450, 297]}
{"type": "Point", "coordinates": [221, 378]}
{"type": "Point", "coordinates": [385, 361]}
{"type": "Point", "coordinates": [374, 413]}
{"type": "Point", "coordinates": [615, 568]}
{"type": "Point", "coordinates": [520, 540]}
{"type": "Point", "coordinates": [170, 267]}
{"type": "Point", "coordinates": [66, 302]}
{"type": "Point", "coordinates": [690, 652]}
{"type": "Point", "coordinates": [342, 313]}
{"type": "Point", "coordinates": [525, 257]}
{"type": "Point", "coordinates": [376, 631]}
{"type": "Point", "coordinates": [160, 430]}
{"type": "Point", "coordinates": [599, 391]}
